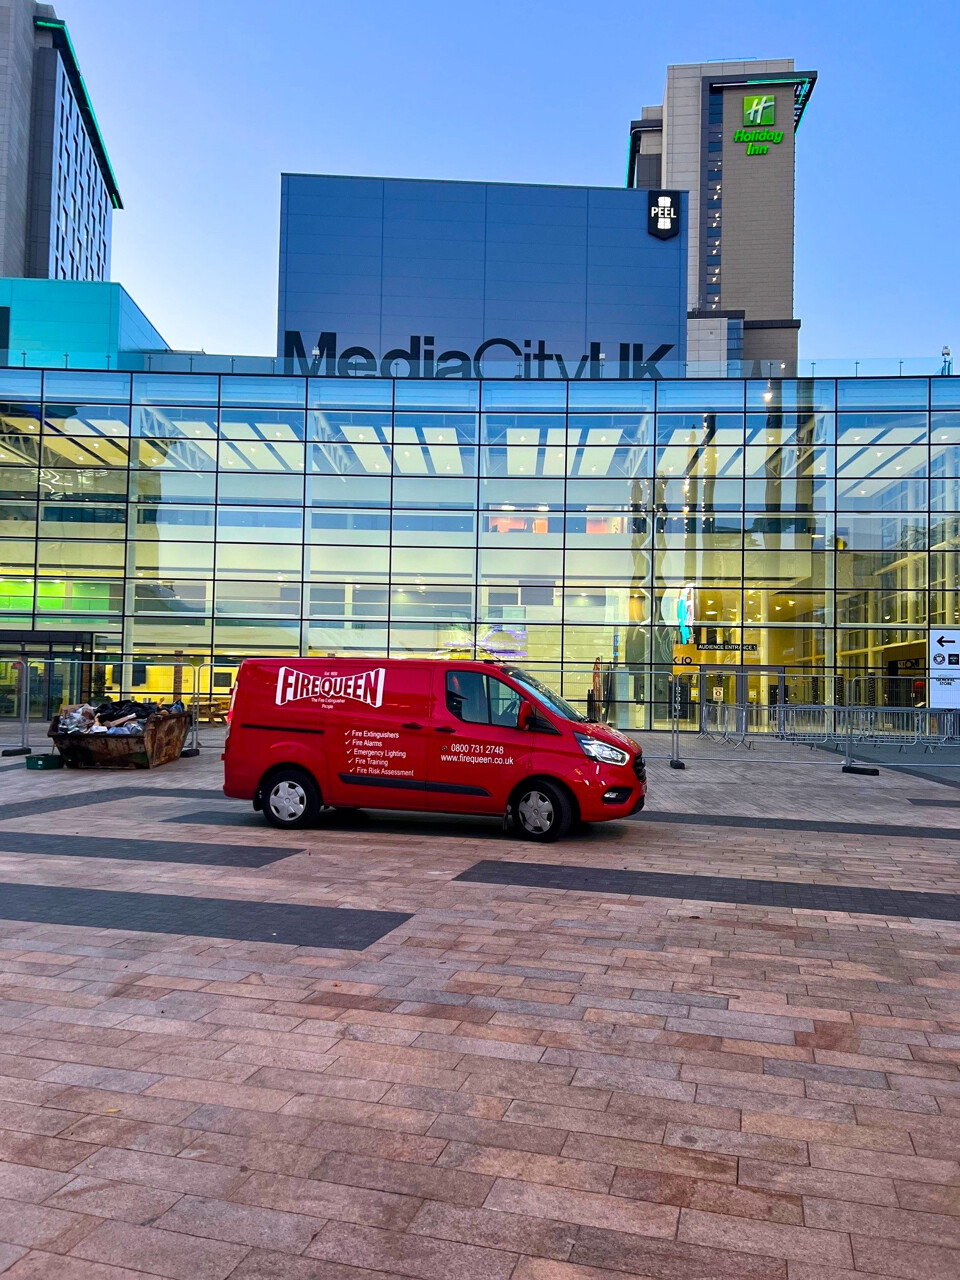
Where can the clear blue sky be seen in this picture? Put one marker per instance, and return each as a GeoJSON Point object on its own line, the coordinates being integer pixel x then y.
{"type": "Point", "coordinates": [203, 103]}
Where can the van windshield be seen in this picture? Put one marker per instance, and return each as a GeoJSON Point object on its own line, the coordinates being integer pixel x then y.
{"type": "Point", "coordinates": [542, 693]}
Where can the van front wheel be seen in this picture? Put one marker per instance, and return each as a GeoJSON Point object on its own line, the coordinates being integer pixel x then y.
{"type": "Point", "coordinates": [291, 799]}
{"type": "Point", "coordinates": [542, 812]}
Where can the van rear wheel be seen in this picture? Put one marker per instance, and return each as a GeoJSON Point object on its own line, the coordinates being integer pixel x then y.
{"type": "Point", "coordinates": [542, 812]}
{"type": "Point", "coordinates": [291, 799]}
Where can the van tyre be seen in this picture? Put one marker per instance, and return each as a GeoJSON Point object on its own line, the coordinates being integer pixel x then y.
{"type": "Point", "coordinates": [291, 799]}
{"type": "Point", "coordinates": [542, 811]}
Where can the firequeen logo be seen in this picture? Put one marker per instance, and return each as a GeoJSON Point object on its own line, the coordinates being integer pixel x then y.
{"type": "Point", "coordinates": [360, 686]}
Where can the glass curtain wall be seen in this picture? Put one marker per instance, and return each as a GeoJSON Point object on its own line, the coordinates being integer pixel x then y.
{"type": "Point", "coordinates": [778, 538]}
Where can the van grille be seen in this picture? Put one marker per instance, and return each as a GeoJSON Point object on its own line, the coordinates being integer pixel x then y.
{"type": "Point", "coordinates": [639, 768]}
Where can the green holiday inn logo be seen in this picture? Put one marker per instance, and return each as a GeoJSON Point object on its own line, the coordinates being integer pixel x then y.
{"type": "Point", "coordinates": [759, 109]}
{"type": "Point", "coordinates": [759, 112]}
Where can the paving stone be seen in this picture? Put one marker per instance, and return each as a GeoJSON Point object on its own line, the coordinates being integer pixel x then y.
{"type": "Point", "coordinates": [514, 1232]}
{"type": "Point", "coordinates": [163, 1253]}
{"type": "Point", "coordinates": [128, 1201]}
{"type": "Point", "coordinates": [241, 1224]}
{"type": "Point", "coordinates": [408, 1255]}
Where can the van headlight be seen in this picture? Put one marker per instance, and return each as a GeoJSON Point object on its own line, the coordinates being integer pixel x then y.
{"type": "Point", "coordinates": [601, 751]}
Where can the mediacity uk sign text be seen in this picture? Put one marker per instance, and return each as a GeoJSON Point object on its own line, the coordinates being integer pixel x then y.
{"type": "Point", "coordinates": [524, 359]}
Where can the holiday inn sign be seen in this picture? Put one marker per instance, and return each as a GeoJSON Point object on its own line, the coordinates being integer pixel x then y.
{"type": "Point", "coordinates": [759, 112]}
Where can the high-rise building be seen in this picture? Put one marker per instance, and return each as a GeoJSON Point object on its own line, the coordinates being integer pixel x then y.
{"type": "Point", "coordinates": [57, 189]}
{"type": "Point", "coordinates": [725, 133]}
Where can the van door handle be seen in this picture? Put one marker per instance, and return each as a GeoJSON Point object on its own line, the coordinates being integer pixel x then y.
{"type": "Point", "coordinates": [411, 725]}
{"type": "Point", "coordinates": [444, 729]}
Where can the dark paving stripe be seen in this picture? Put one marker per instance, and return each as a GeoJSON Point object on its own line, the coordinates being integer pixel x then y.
{"type": "Point", "coordinates": [754, 893]}
{"type": "Point", "coordinates": [133, 849]}
{"type": "Point", "coordinates": [337, 927]}
{"type": "Point", "coordinates": [245, 817]}
{"type": "Point", "coordinates": [102, 795]}
{"type": "Point", "coordinates": [936, 804]}
{"type": "Point", "coordinates": [800, 824]}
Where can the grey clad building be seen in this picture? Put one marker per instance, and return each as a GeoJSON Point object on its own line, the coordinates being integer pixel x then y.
{"type": "Point", "coordinates": [725, 132]}
{"type": "Point", "coordinates": [451, 279]}
{"type": "Point", "coordinates": [57, 189]}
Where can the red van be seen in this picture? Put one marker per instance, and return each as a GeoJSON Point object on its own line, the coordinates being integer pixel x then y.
{"type": "Point", "coordinates": [438, 735]}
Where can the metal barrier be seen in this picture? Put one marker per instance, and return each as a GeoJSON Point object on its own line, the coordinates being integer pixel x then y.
{"type": "Point", "coordinates": [810, 725]}
{"type": "Point", "coordinates": [843, 728]}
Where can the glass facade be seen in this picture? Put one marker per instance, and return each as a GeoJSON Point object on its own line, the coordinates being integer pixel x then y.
{"type": "Point", "coordinates": [800, 531]}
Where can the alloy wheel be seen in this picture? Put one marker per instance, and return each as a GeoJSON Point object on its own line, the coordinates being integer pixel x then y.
{"type": "Point", "coordinates": [287, 801]}
{"type": "Point", "coordinates": [536, 811]}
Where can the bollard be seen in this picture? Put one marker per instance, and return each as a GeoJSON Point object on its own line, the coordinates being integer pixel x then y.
{"type": "Point", "coordinates": [675, 761]}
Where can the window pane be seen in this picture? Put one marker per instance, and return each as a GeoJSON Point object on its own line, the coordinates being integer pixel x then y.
{"type": "Point", "coordinates": [349, 393]}
{"type": "Point", "coordinates": [346, 526]}
{"type": "Point", "coordinates": [443, 393]}
{"type": "Point", "coordinates": [273, 426]}
{"type": "Point", "coordinates": [518, 495]}
{"type": "Point", "coordinates": [886, 393]}
{"type": "Point", "coordinates": [786, 394]}
{"type": "Point", "coordinates": [522, 396]}
{"type": "Point", "coordinates": [82, 520]}
{"type": "Point", "coordinates": [99, 559]}
{"type": "Point", "coordinates": [265, 392]}
{"type": "Point", "coordinates": [790, 428]}
{"type": "Point", "coordinates": [699, 395]}
{"type": "Point", "coordinates": [344, 426]}
{"type": "Point", "coordinates": [259, 524]}
{"type": "Point", "coordinates": [880, 532]}
{"type": "Point", "coordinates": [169, 486]}
{"type": "Point", "coordinates": [20, 384]}
{"type": "Point", "coordinates": [259, 487]}
{"type": "Point", "coordinates": [881, 495]}
{"type": "Point", "coordinates": [165, 559]}
{"type": "Point", "coordinates": [467, 696]}
{"type": "Point", "coordinates": [174, 388]}
{"type": "Point", "coordinates": [19, 419]}
{"type": "Point", "coordinates": [86, 387]}
{"type": "Point", "coordinates": [20, 451]}
{"type": "Point", "coordinates": [349, 638]}
{"type": "Point", "coordinates": [504, 703]}
{"type": "Point", "coordinates": [359, 491]}
{"type": "Point", "coordinates": [695, 430]}
{"type": "Point", "coordinates": [255, 559]}
{"type": "Point", "coordinates": [174, 454]}
{"type": "Point", "coordinates": [174, 422]}
{"type": "Point", "coordinates": [18, 484]}
{"type": "Point", "coordinates": [867, 428]}
{"type": "Point", "coordinates": [610, 396]}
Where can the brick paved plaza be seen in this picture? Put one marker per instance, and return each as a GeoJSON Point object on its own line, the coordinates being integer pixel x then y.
{"type": "Point", "coordinates": [371, 1068]}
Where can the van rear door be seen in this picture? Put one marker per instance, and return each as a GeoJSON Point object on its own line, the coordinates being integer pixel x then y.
{"type": "Point", "coordinates": [476, 753]}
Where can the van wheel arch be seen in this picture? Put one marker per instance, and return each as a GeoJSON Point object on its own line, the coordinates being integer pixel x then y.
{"type": "Point", "coordinates": [283, 767]}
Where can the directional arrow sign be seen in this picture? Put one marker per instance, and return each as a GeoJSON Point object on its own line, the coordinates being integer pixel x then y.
{"type": "Point", "coordinates": [943, 668]}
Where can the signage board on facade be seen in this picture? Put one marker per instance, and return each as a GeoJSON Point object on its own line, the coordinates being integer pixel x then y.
{"type": "Point", "coordinates": [759, 119]}
{"type": "Point", "coordinates": [943, 667]}
{"type": "Point", "coordinates": [663, 214]}
{"type": "Point", "coordinates": [328, 356]}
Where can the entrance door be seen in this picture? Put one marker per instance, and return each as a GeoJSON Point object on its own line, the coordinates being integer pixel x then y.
{"type": "Point", "coordinates": [743, 686]}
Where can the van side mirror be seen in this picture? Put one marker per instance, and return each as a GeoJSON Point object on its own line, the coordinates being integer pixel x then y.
{"type": "Point", "coordinates": [526, 715]}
